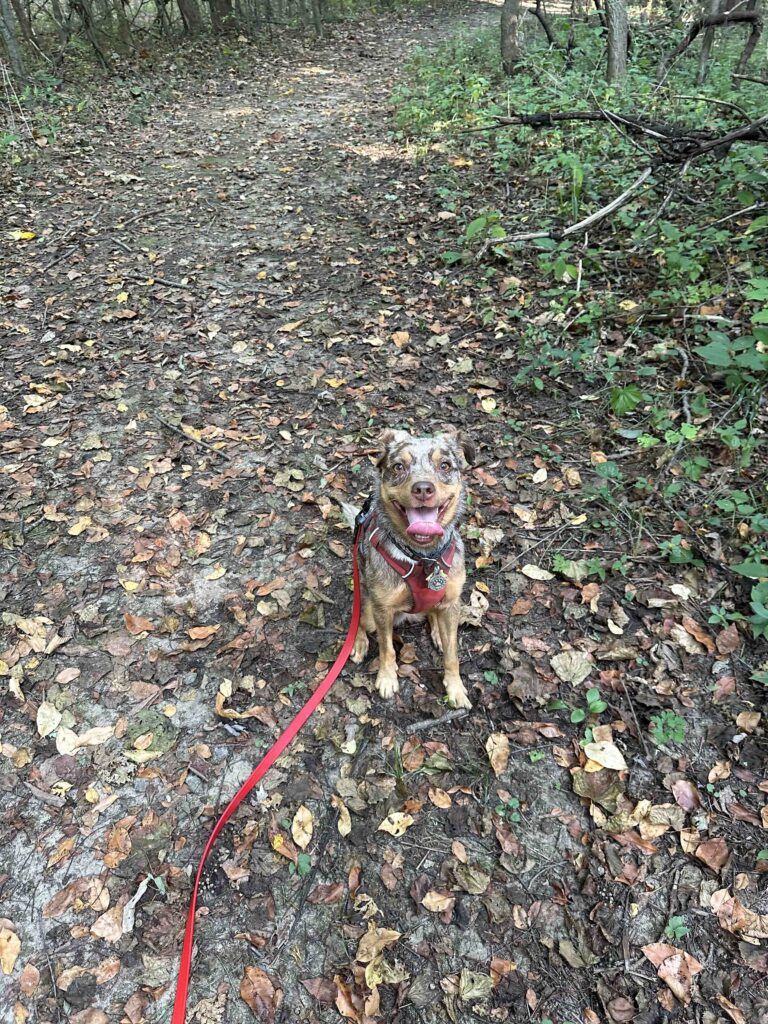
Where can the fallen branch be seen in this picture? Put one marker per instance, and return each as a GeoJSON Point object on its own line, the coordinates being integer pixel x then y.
{"type": "Point", "coordinates": [194, 440]}
{"type": "Point", "coordinates": [559, 233]}
{"type": "Point", "coordinates": [677, 146]}
{"type": "Point", "coordinates": [751, 78]}
{"type": "Point", "coordinates": [431, 723]}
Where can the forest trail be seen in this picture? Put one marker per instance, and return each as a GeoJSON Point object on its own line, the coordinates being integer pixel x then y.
{"type": "Point", "coordinates": [208, 318]}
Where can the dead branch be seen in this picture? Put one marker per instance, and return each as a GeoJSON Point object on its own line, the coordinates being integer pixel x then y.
{"type": "Point", "coordinates": [676, 146]}
{"type": "Point", "coordinates": [583, 225]}
{"type": "Point", "coordinates": [542, 19]}
{"type": "Point", "coordinates": [710, 21]}
{"type": "Point", "coordinates": [751, 78]}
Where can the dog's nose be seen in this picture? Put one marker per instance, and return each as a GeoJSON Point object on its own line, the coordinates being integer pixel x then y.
{"type": "Point", "coordinates": [423, 490]}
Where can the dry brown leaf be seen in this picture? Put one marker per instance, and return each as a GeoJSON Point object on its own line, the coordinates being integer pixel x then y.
{"type": "Point", "coordinates": [714, 853]}
{"type": "Point", "coordinates": [261, 994]}
{"type": "Point", "coordinates": [686, 794]}
{"type": "Point", "coordinates": [440, 798]}
{"type": "Point", "coordinates": [438, 902]}
{"type": "Point", "coordinates": [734, 917]}
{"type": "Point", "coordinates": [327, 894]}
{"type": "Point", "coordinates": [699, 633]}
{"type": "Point", "coordinates": [675, 967]}
{"type": "Point", "coordinates": [374, 941]}
{"type": "Point", "coordinates": [136, 624]}
{"type": "Point", "coordinates": [497, 748]}
{"type": "Point", "coordinates": [203, 632]}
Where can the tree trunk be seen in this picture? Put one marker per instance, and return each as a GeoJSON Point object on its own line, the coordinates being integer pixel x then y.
{"type": "Point", "coordinates": [754, 35]}
{"type": "Point", "coordinates": [706, 45]}
{"type": "Point", "coordinates": [617, 24]}
{"type": "Point", "coordinates": [221, 15]}
{"type": "Point", "coordinates": [8, 35]}
{"type": "Point", "coordinates": [511, 53]}
{"type": "Point", "coordinates": [190, 15]}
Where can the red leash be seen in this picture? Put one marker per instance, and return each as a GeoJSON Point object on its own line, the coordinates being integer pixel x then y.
{"type": "Point", "coordinates": [182, 986]}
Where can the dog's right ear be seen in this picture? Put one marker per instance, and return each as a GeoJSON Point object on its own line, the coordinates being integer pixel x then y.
{"type": "Point", "coordinates": [386, 440]}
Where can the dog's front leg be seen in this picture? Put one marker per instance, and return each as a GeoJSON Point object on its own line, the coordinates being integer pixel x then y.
{"type": "Point", "coordinates": [448, 625]}
{"type": "Point", "coordinates": [386, 681]}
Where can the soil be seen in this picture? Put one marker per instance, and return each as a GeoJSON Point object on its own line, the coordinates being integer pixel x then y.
{"type": "Point", "coordinates": [218, 312]}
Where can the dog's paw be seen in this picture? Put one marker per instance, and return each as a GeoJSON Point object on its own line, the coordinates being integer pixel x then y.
{"type": "Point", "coordinates": [457, 695]}
{"type": "Point", "coordinates": [360, 648]}
{"type": "Point", "coordinates": [387, 682]}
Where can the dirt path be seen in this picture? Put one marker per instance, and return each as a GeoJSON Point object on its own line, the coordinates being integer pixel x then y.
{"type": "Point", "coordinates": [256, 268]}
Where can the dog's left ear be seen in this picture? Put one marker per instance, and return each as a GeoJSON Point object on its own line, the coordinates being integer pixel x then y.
{"type": "Point", "coordinates": [459, 441]}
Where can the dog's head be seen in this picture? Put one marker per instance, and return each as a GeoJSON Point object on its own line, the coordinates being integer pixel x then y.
{"type": "Point", "coordinates": [421, 488]}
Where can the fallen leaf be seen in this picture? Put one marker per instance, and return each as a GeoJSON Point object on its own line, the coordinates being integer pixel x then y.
{"type": "Point", "coordinates": [533, 572]}
{"type": "Point", "coordinates": [259, 992]}
{"type": "Point", "coordinates": [136, 624]}
{"type": "Point", "coordinates": [48, 719]}
{"type": "Point", "coordinates": [396, 823]}
{"type": "Point", "coordinates": [497, 748]}
{"type": "Point", "coordinates": [686, 794]}
{"type": "Point", "coordinates": [675, 967]}
{"type": "Point", "coordinates": [734, 917]}
{"type": "Point", "coordinates": [606, 754]}
{"type": "Point", "coordinates": [203, 632]}
{"type": "Point", "coordinates": [572, 666]}
{"type": "Point", "coordinates": [10, 947]}
{"type": "Point", "coordinates": [714, 853]}
{"type": "Point", "coordinates": [324, 895]}
{"type": "Point", "coordinates": [301, 827]}
{"type": "Point", "coordinates": [438, 902]}
{"type": "Point", "coordinates": [374, 940]}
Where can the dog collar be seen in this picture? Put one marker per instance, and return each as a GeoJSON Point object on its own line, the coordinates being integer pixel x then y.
{"type": "Point", "coordinates": [426, 575]}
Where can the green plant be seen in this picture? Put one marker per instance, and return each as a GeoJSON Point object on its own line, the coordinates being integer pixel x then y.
{"type": "Point", "coordinates": [676, 928]}
{"type": "Point", "coordinates": [594, 705]}
{"type": "Point", "coordinates": [302, 866]}
{"type": "Point", "coordinates": [667, 727]}
{"type": "Point", "coordinates": [509, 809]}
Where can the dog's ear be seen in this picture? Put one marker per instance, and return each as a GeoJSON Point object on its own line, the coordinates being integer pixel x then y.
{"type": "Point", "coordinates": [459, 441]}
{"type": "Point", "coordinates": [386, 440]}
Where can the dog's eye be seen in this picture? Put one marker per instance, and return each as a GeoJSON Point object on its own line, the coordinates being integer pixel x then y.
{"type": "Point", "coordinates": [446, 466]}
{"type": "Point", "coordinates": [398, 467]}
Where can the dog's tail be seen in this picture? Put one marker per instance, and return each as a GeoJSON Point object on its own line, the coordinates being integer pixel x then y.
{"type": "Point", "coordinates": [349, 513]}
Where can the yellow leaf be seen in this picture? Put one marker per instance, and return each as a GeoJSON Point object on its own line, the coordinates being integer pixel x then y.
{"type": "Point", "coordinates": [77, 528]}
{"type": "Point", "coordinates": [301, 827]}
{"type": "Point", "coordinates": [396, 823]}
{"type": "Point", "coordinates": [606, 754]}
{"type": "Point", "coordinates": [23, 236]}
{"type": "Point", "coordinates": [488, 404]}
{"type": "Point", "coordinates": [344, 824]}
{"type": "Point", "coordinates": [122, 297]}
{"type": "Point", "coordinates": [437, 902]}
{"type": "Point", "coordinates": [216, 573]}
{"type": "Point", "coordinates": [130, 585]}
{"type": "Point", "coordinates": [10, 947]}
{"type": "Point", "coordinates": [335, 382]}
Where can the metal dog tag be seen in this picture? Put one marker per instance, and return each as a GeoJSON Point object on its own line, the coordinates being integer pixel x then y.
{"type": "Point", "coordinates": [437, 579]}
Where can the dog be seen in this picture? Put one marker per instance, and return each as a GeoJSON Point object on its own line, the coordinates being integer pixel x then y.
{"type": "Point", "coordinates": [411, 555]}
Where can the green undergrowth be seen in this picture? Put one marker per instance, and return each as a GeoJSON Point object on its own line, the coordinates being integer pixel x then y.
{"type": "Point", "coordinates": [657, 318]}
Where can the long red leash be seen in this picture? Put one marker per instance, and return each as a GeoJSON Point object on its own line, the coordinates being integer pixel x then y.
{"type": "Point", "coordinates": [182, 986]}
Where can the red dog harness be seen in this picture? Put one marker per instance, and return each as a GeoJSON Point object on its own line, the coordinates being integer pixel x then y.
{"type": "Point", "coordinates": [426, 577]}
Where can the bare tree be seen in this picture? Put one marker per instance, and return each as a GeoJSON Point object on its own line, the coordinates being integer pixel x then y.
{"type": "Point", "coordinates": [511, 52]}
{"type": "Point", "coordinates": [706, 45]}
{"type": "Point", "coordinates": [618, 27]}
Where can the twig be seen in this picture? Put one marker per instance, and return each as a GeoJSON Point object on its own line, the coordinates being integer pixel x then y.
{"type": "Point", "coordinates": [156, 280]}
{"type": "Point", "coordinates": [593, 218]}
{"type": "Point", "coordinates": [60, 259]}
{"type": "Point", "coordinates": [188, 437]}
{"type": "Point", "coordinates": [640, 735]}
{"type": "Point", "coordinates": [740, 213]}
{"type": "Point", "coordinates": [727, 104]}
{"type": "Point", "coordinates": [430, 723]}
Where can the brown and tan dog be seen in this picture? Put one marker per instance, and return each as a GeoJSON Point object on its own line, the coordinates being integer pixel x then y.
{"type": "Point", "coordinates": [411, 554]}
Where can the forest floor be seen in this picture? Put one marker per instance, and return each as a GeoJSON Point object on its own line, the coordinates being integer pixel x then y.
{"type": "Point", "coordinates": [208, 317]}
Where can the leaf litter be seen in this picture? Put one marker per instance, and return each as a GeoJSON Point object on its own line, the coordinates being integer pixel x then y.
{"type": "Point", "coordinates": [175, 583]}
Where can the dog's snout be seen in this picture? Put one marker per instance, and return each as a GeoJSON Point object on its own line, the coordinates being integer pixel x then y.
{"type": "Point", "coordinates": [423, 490]}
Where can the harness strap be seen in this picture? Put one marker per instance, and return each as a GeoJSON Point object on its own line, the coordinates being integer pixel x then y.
{"type": "Point", "coordinates": [427, 585]}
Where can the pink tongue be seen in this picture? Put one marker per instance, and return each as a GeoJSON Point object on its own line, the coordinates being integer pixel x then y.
{"type": "Point", "coordinates": [423, 522]}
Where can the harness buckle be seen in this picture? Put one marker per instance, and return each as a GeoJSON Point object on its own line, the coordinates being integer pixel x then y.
{"type": "Point", "coordinates": [363, 517]}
